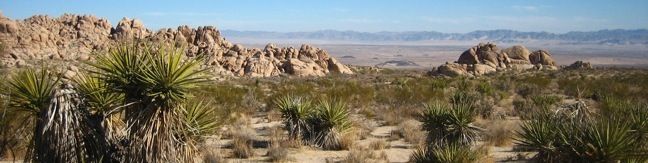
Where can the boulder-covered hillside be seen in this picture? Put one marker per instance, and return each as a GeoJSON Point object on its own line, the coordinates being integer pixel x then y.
{"type": "Point", "coordinates": [81, 37]}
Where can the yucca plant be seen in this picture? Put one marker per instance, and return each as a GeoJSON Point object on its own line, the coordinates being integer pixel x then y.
{"type": "Point", "coordinates": [103, 104]}
{"type": "Point", "coordinates": [565, 138]}
{"type": "Point", "coordinates": [329, 122]}
{"type": "Point", "coordinates": [294, 111]}
{"type": "Point", "coordinates": [446, 153]}
{"type": "Point", "coordinates": [155, 82]}
{"type": "Point", "coordinates": [63, 131]}
{"type": "Point", "coordinates": [541, 134]}
{"type": "Point", "coordinates": [201, 120]}
{"type": "Point", "coordinates": [453, 124]}
{"type": "Point", "coordinates": [605, 141]}
{"type": "Point", "coordinates": [31, 90]}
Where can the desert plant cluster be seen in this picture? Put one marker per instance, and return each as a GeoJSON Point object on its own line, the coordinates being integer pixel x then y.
{"type": "Point", "coordinates": [147, 103]}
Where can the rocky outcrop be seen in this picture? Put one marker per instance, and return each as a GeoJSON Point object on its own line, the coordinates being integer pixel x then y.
{"type": "Point", "coordinates": [518, 54]}
{"type": "Point", "coordinates": [488, 58]}
{"type": "Point", "coordinates": [77, 37]}
{"type": "Point", "coordinates": [541, 57]}
{"type": "Point", "coordinates": [579, 65]}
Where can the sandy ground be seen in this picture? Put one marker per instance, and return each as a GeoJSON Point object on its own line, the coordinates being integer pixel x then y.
{"type": "Point", "coordinates": [398, 151]}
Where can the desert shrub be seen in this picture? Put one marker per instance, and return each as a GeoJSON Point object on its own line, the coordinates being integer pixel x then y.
{"type": "Point", "coordinates": [362, 155]}
{"type": "Point", "coordinates": [328, 123]}
{"type": "Point", "coordinates": [277, 153]}
{"type": "Point", "coordinates": [463, 85]}
{"type": "Point", "coordinates": [348, 139]}
{"type": "Point", "coordinates": [242, 146]}
{"type": "Point", "coordinates": [212, 156]}
{"type": "Point", "coordinates": [451, 123]}
{"type": "Point", "coordinates": [411, 132]}
{"type": "Point", "coordinates": [545, 101]}
{"type": "Point", "coordinates": [379, 144]}
{"type": "Point", "coordinates": [450, 153]}
{"type": "Point", "coordinates": [485, 88]}
{"type": "Point", "coordinates": [225, 97]}
{"type": "Point", "coordinates": [525, 108]}
{"type": "Point", "coordinates": [243, 136]}
{"type": "Point", "coordinates": [499, 133]}
{"type": "Point", "coordinates": [358, 93]}
{"type": "Point", "coordinates": [538, 79]}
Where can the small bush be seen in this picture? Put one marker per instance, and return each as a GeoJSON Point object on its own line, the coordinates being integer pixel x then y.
{"type": "Point", "coordinates": [499, 133]}
{"type": "Point", "coordinates": [212, 156]}
{"type": "Point", "coordinates": [277, 153]}
{"type": "Point", "coordinates": [362, 155]}
{"type": "Point", "coordinates": [243, 136]}
{"type": "Point", "coordinates": [379, 144]}
{"type": "Point", "coordinates": [242, 146]}
{"type": "Point", "coordinates": [410, 130]}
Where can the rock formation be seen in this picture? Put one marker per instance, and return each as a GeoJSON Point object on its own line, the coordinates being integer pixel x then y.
{"type": "Point", "coordinates": [487, 58]}
{"type": "Point", "coordinates": [74, 37]}
{"type": "Point", "coordinates": [579, 65]}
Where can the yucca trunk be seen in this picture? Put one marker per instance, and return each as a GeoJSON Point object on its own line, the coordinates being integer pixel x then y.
{"type": "Point", "coordinates": [65, 133]}
{"type": "Point", "coordinates": [152, 133]}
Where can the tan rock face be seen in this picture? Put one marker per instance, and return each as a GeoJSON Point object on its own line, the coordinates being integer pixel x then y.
{"type": "Point", "coordinates": [542, 57]}
{"type": "Point", "coordinates": [518, 52]}
{"type": "Point", "coordinates": [487, 58]}
{"type": "Point", "coordinates": [77, 38]}
{"type": "Point", "coordinates": [487, 54]}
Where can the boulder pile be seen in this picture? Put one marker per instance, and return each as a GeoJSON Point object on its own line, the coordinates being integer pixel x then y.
{"type": "Point", "coordinates": [79, 37]}
{"type": "Point", "coordinates": [487, 58]}
{"type": "Point", "coordinates": [579, 65]}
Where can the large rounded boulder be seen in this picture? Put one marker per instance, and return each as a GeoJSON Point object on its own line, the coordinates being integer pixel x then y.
{"type": "Point", "coordinates": [518, 52]}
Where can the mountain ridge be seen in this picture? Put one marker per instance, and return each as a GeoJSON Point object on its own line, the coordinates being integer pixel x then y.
{"type": "Point", "coordinates": [605, 36]}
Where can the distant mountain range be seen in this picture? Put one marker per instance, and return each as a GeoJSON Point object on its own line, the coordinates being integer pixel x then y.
{"type": "Point", "coordinates": [617, 36]}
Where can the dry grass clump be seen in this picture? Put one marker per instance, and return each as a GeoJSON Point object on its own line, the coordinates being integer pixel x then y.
{"type": "Point", "coordinates": [242, 144]}
{"type": "Point", "coordinates": [212, 156]}
{"type": "Point", "coordinates": [410, 130]}
{"type": "Point", "coordinates": [391, 116]}
{"type": "Point", "coordinates": [243, 136]}
{"type": "Point", "coordinates": [379, 144]}
{"type": "Point", "coordinates": [349, 139]}
{"type": "Point", "coordinates": [499, 132]}
{"type": "Point", "coordinates": [363, 155]}
{"type": "Point", "coordinates": [277, 153]}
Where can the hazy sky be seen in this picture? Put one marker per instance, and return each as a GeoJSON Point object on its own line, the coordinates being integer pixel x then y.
{"type": "Point", "coordinates": [359, 15]}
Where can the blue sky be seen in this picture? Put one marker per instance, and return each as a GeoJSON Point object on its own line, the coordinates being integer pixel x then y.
{"type": "Point", "coordinates": [360, 15]}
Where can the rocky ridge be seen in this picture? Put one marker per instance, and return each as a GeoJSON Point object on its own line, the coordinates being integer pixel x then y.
{"type": "Point", "coordinates": [77, 37]}
{"type": "Point", "coordinates": [487, 58]}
